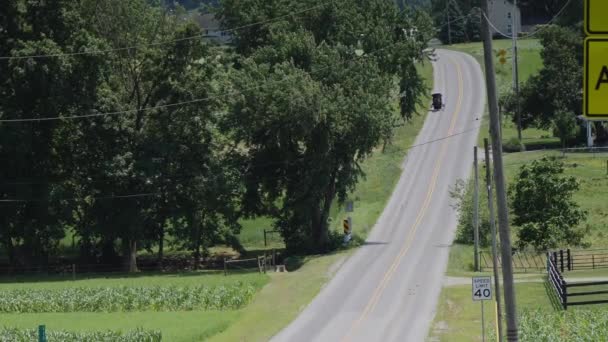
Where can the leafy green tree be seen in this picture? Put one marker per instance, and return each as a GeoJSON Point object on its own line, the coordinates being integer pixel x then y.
{"type": "Point", "coordinates": [315, 100]}
{"type": "Point", "coordinates": [564, 127]}
{"type": "Point", "coordinates": [558, 85]}
{"type": "Point", "coordinates": [34, 88]}
{"type": "Point", "coordinates": [544, 211]}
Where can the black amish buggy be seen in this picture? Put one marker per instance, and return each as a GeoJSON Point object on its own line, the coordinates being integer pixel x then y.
{"type": "Point", "coordinates": [437, 102]}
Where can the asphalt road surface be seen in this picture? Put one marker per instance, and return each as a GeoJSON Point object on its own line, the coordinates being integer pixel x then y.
{"type": "Point", "coordinates": [388, 290]}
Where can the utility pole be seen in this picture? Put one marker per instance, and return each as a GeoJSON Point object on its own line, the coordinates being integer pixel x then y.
{"type": "Point", "coordinates": [494, 244]}
{"type": "Point", "coordinates": [501, 194]}
{"type": "Point", "coordinates": [476, 204]}
{"type": "Point", "coordinates": [516, 67]}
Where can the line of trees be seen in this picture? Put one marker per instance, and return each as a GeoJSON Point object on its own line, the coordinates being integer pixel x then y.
{"type": "Point", "coordinates": [276, 125]}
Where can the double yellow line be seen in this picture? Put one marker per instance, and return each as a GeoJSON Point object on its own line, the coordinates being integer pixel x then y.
{"type": "Point", "coordinates": [410, 237]}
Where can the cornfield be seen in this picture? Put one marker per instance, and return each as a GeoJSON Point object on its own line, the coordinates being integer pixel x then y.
{"type": "Point", "coordinates": [28, 335]}
{"type": "Point", "coordinates": [115, 299]}
{"type": "Point", "coordinates": [571, 326]}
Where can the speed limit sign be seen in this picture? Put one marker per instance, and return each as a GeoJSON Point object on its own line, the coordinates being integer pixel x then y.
{"type": "Point", "coordinates": [482, 288]}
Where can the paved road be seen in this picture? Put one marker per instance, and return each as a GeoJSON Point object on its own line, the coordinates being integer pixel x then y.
{"type": "Point", "coordinates": [388, 290]}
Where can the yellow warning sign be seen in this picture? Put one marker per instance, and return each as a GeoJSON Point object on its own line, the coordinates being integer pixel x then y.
{"type": "Point", "coordinates": [595, 92]}
{"type": "Point", "coordinates": [595, 17]}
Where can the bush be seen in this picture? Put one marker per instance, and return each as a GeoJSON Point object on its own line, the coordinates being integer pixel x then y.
{"type": "Point", "coordinates": [114, 299]}
{"type": "Point", "coordinates": [28, 335]}
{"type": "Point", "coordinates": [462, 195]}
{"type": "Point", "coordinates": [513, 145]}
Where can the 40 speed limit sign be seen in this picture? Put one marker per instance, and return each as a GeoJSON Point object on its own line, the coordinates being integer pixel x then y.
{"type": "Point", "coordinates": [482, 288]}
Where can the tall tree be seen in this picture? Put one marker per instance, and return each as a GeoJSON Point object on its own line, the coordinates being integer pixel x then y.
{"type": "Point", "coordinates": [316, 99]}
{"type": "Point", "coordinates": [543, 208]}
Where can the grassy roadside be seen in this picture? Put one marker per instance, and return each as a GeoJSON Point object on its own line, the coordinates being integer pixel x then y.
{"type": "Point", "coordinates": [530, 63]}
{"type": "Point", "coordinates": [282, 300]}
{"type": "Point", "coordinates": [458, 318]}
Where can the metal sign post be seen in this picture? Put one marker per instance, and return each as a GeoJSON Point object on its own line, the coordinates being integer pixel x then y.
{"type": "Point", "coordinates": [595, 78]}
{"type": "Point", "coordinates": [482, 291]}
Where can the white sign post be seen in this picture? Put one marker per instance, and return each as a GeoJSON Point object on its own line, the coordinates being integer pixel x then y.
{"type": "Point", "coordinates": [482, 291]}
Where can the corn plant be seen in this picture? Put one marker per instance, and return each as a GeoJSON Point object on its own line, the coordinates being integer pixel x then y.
{"type": "Point", "coordinates": [573, 326]}
{"type": "Point", "coordinates": [114, 299]}
{"type": "Point", "coordinates": [28, 335]}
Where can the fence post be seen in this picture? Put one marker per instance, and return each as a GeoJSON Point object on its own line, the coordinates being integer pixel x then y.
{"type": "Point", "coordinates": [41, 333]}
{"type": "Point", "coordinates": [565, 294]}
{"type": "Point", "coordinates": [265, 242]}
{"type": "Point", "coordinates": [555, 259]}
{"type": "Point", "coordinates": [561, 260]}
{"type": "Point", "coordinates": [225, 268]}
{"type": "Point", "coordinates": [259, 265]}
{"type": "Point", "coordinates": [569, 259]}
{"type": "Point", "coordinates": [73, 271]}
{"type": "Point", "coordinates": [274, 257]}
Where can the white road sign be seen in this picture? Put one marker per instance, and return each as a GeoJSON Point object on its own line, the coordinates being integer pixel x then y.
{"type": "Point", "coordinates": [482, 288]}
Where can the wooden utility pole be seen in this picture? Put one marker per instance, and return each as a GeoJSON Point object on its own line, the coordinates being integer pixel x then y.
{"type": "Point", "coordinates": [501, 193]}
{"type": "Point", "coordinates": [476, 204]}
{"type": "Point", "coordinates": [494, 244]}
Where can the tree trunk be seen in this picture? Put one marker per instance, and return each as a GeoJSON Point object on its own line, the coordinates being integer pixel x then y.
{"type": "Point", "coordinates": [320, 231]}
{"type": "Point", "coordinates": [10, 251]}
{"type": "Point", "coordinates": [161, 245]}
{"type": "Point", "coordinates": [131, 257]}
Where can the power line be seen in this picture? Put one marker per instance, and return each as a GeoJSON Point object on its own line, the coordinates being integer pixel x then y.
{"type": "Point", "coordinates": [171, 105]}
{"type": "Point", "coordinates": [139, 195]}
{"type": "Point", "coordinates": [528, 35]}
{"type": "Point", "coordinates": [140, 46]}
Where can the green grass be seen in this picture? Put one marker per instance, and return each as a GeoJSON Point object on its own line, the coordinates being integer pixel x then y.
{"type": "Point", "coordinates": [590, 171]}
{"type": "Point", "coordinates": [458, 318]}
{"type": "Point", "coordinates": [175, 326]}
{"type": "Point", "coordinates": [530, 63]}
{"type": "Point", "coordinates": [282, 300]}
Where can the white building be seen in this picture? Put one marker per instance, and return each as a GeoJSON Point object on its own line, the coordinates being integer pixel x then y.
{"type": "Point", "coordinates": [211, 28]}
{"type": "Point", "coordinates": [501, 16]}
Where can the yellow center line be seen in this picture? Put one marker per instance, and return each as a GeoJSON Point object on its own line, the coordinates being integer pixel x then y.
{"type": "Point", "coordinates": [410, 237]}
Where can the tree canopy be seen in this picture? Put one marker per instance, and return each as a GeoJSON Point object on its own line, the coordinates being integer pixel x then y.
{"type": "Point", "coordinates": [121, 127]}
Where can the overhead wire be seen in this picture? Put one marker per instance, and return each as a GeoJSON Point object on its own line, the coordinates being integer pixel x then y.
{"type": "Point", "coordinates": [171, 41]}
{"type": "Point", "coordinates": [532, 34]}
{"type": "Point", "coordinates": [469, 130]}
{"type": "Point", "coordinates": [170, 105]}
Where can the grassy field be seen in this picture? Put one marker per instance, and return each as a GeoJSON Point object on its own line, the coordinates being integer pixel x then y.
{"type": "Point", "coordinates": [530, 63]}
{"type": "Point", "coordinates": [175, 326]}
{"type": "Point", "coordinates": [458, 318]}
